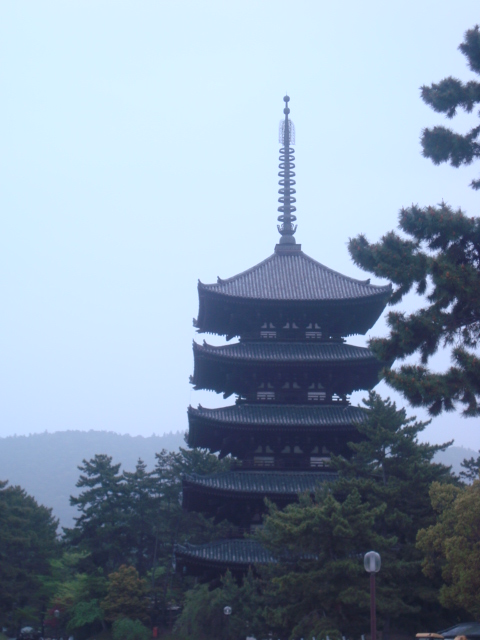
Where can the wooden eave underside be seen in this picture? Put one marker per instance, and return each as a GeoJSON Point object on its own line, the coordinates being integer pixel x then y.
{"type": "Point", "coordinates": [230, 316]}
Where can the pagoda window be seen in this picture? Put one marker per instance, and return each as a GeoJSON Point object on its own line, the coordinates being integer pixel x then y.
{"type": "Point", "coordinates": [263, 461]}
{"type": "Point", "coordinates": [259, 449]}
{"type": "Point", "coordinates": [286, 385]}
{"type": "Point", "coordinates": [319, 461]}
{"type": "Point", "coordinates": [287, 449]}
{"type": "Point", "coordinates": [266, 392]}
{"type": "Point", "coordinates": [315, 449]}
{"type": "Point", "coordinates": [289, 325]}
{"type": "Point", "coordinates": [268, 331]}
{"type": "Point", "coordinates": [325, 450]}
{"type": "Point", "coordinates": [316, 393]}
{"type": "Point", "coordinates": [266, 395]}
{"type": "Point", "coordinates": [296, 449]}
{"type": "Point", "coordinates": [313, 332]}
{"type": "Point", "coordinates": [268, 449]}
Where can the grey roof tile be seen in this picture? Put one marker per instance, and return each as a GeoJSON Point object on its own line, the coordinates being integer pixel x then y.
{"type": "Point", "coordinates": [233, 552]}
{"type": "Point", "coordinates": [290, 415]}
{"type": "Point", "coordinates": [273, 351]}
{"type": "Point", "coordinates": [294, 277]}
{"type": "Point", "coordinates": [261, 482]}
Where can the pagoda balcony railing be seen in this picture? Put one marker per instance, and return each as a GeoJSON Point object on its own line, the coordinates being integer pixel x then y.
{"type": "Point", "coordinates": [304, 463]}
{"type": "Point", "coordinates": [304, 397]}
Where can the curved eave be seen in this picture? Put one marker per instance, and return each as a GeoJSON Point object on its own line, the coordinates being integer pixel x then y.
{"type": "Point", "coordinates": [229, 427]}
{"type": "Point", "coordinates": [229, 315]}
{"type": "Point", "coordinates": [234, 554]}
{"type": "Point", "coordinates": [258, 485]}
{"type": "Point", "coordinates": [280, 416]}
{"type": "Point", "coordinates": [227, 373]}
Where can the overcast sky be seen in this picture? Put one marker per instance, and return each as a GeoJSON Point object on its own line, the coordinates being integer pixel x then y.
{"type": "Point", "coordinates": [139, 154]}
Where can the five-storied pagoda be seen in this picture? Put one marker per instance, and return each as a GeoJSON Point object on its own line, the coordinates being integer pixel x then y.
{"type": "Point", "coordinates": [291, 371]}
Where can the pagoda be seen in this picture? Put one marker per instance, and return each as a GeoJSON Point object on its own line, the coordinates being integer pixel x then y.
{"type": "Point", "coordinates": [291, 371]}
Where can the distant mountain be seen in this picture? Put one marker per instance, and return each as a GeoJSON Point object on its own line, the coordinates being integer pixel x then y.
{"type": "Point", "coordinates": [45, 464]}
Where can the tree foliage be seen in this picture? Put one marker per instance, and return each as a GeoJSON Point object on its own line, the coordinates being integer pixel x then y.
{"type": "Point", "coordinates": [126, 596]}
{"type": "Point", "coordinates": [471, 468]}
{"type": "Point", "coordinates": [135, 519]}
{"type": "Point", "coordinates": [452, 545]}
{"type": "Point", "coordinates": [441, 144]}
{"type": "Point", "coordinates": [126, 629]}
{"type": "Point", "coordinates": [440, 260]}
{"type": "Point", "coordinates": [27, 544]}
{"type": "Point", "coordinates": [203, 614]}
{"type": "Point", "coordinates": [380, 501]}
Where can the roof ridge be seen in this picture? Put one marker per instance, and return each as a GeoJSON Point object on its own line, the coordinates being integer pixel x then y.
{"type": "Point", "coordinates": [342, 275]}
{"type": "Point", "coordinates": [239, 275]}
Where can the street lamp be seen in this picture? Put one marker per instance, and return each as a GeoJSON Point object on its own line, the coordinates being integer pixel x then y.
{"type": "Point", "coordinates": [56, 613]}
{"type": "Point", "coordinates": [228, 612]}
{"type": "Point", "coordinates": [372, 562]}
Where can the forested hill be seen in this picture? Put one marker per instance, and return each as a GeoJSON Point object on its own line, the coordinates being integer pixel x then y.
{"type": "Point", "coordinates": [45, 464]}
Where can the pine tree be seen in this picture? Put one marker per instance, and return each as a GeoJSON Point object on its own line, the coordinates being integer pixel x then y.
{"type": "Point", "coordinates": [141, 504]}
{"type": "Point", "coordinates": [27, 545]}
{"type": "Point", "coordinates": [471, 468]}
{"type": "Point", "coordinates": [379, 502]}
{"type": "Point", "coordinates": [100, 528]}
{"type": "Point", "coordinates": [318, 585]}
{"type": "Point", "coordinates": [391, 467]}
{"type": "Point", "coordinates": [440, 260]}
{"type": "Point", "coordinates": [444, 145]}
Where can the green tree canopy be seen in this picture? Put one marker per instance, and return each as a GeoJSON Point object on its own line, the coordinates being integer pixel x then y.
{"type": "Point", "coordinates": [379, 502]}
{"type": "Point", "coordinates": [27, 545]}
{"type": "Point", "coordinates": [452, 545]}
{"type": "Point", "coordinates": [203, 614]}
{"type": "Point", "coordinates": [440, 259]}
{"type": "Point", "coordinates": [437, 255]}
{"type": "Point", "coordinates": [444, 145]}
{"type": "Point", "coordinates": [126, 596]}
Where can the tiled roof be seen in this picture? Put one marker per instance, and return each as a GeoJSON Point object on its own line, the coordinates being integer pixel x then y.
{"type": "Point", "coordinates": [294, 277]}
{"type": "Point", "coordinates": [230, 552]}
{"type": "Point", "coordinates": [261, 482]}
{"type": "Point", "coordinates": [290, 352]}
{"type": "Point", "coordinates": [290, 415]}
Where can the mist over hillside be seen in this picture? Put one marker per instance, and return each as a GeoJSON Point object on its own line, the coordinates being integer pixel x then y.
{"type": "Point", "coordinates": [45, 464]}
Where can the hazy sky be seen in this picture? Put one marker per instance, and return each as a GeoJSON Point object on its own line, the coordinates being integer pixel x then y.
{"type": "Point", "coordinates": [140, 153]}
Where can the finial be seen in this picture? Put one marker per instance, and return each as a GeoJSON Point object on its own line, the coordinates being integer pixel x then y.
{"type": "Point", "coordinates": [286, 182]}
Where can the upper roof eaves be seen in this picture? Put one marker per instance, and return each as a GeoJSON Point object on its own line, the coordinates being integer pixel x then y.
{"type": "Point", "coordinates": [295, 276]}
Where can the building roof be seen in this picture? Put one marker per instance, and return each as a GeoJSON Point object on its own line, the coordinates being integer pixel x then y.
{"type": "Point", "coordinates": [245, 415]}
{"type": "Point", "coordinates": [225, 552]}
{"type": "Point", "coordinates": [267, 351]}
{"type": "Point", "coordinates": [261, 482]}
{"type": "Point", "coordinates": [296, 277]}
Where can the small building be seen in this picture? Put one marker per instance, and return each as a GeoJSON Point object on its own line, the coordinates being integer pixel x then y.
{"type": "Point", "coordinates": [291, 372]}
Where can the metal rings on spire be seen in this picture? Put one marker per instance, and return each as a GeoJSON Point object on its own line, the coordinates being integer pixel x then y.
{"type": "Point", "coordinates": [287, 199]}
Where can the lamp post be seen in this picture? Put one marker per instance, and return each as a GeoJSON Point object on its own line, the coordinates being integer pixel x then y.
{"type": "Point", "coordinates": [372, 562]}
{"type": "Point", "coordinates": [56, 613]}
{"type": "Point", "coordinates": [228, 612]}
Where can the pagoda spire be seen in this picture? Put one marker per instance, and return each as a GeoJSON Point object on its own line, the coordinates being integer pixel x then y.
{"type": "Point", "coordinates": [286, 182]}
